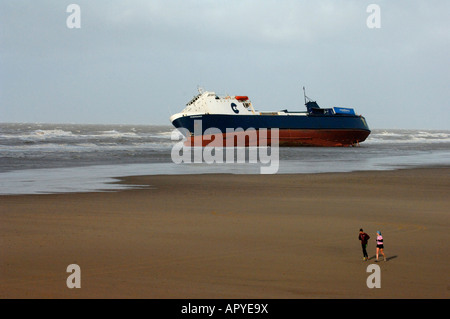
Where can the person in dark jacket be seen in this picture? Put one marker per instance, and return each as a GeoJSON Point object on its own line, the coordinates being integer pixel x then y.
{"type": "Point", "coordinates": [364, 238]}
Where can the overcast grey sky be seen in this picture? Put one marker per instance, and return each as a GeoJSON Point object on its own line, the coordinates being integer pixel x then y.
{"type": "Point", "coordinates": [139, 61]}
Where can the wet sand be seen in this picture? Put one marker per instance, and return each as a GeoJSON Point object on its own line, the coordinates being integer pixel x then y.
{"type": "Point", "coordinates": [232, 236]}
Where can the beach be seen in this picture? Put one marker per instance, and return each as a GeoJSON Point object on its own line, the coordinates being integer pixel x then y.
{"type": "Point", "coordinates": [218, 236]}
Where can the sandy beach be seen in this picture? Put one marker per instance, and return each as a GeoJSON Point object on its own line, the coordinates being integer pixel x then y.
{"type": "Point", "coordinates": [232, 236]}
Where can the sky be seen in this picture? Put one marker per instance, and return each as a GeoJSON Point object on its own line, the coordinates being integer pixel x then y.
{"type": "Point", "coordinates": [140, 61]}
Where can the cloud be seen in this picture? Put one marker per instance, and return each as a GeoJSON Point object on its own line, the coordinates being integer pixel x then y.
{"type": "Point", "coordinates": [211, 23]}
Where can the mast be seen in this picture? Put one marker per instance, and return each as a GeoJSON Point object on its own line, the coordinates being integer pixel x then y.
{"type": "Point", "coordinates": [304, 94]}
{"type": "Point", "coordinates": [307, 99]}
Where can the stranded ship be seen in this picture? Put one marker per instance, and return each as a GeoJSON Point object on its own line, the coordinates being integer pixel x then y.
{"type": "Point", "coordinates": [209, 118]}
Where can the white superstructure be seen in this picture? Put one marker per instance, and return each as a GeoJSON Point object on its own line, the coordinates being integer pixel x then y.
{"type": "Point", "coordinates": [210, 103]}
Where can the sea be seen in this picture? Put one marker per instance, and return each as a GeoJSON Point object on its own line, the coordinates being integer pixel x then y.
{"type": "Point", "coordinates": [62, 158]}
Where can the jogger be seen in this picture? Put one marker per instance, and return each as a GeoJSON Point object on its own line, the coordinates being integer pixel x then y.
{"type": "Point", "coordinates": [363, 237]}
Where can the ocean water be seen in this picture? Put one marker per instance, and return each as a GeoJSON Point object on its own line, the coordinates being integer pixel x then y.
{"type": "Point", "coordinates": [52, 158]}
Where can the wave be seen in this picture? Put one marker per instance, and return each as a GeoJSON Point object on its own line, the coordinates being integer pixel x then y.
{"type": "Point", "coordinates": [409, 136]}
{"type": "Point", "coordinates": [113, 134]}
{"type": "Point", "coordinates": [38, 135]}
{"type": "Point", "coordinates": [68, 136]}
{"type": "Point", "coordinates": [64, 136]}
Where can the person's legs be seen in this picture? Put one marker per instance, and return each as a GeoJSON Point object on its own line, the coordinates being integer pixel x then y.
{"type": "Point", "coordinates": [378, 249]}
{"type": "Point", "coordinates": [382, 252]}
{"type": "Point", "coordinates": [365, 255]}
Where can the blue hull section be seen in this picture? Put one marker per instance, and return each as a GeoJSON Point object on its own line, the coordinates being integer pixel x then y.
{"type": "Point", "coordinates": [282, 122]}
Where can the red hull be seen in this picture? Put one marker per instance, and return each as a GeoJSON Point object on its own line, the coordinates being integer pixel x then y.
{"type": "Point", "coordinates": [287, 137]}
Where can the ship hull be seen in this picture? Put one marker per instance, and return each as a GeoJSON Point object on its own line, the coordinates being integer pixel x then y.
{"type": "Point", "coordinates": [293, 130]}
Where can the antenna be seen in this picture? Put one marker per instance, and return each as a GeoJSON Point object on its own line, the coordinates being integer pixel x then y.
{"type": "Point", "coordinates": [304, 94]}
{"type": "Point", "coordinates": [306, 98]}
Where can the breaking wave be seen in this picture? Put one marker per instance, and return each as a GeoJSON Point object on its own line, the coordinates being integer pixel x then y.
{"type": "Point", "coordinates": [408, 136]}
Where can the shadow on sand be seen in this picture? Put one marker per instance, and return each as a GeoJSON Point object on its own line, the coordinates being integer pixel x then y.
{"type": "Point", "coordinates": [380, 258]}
